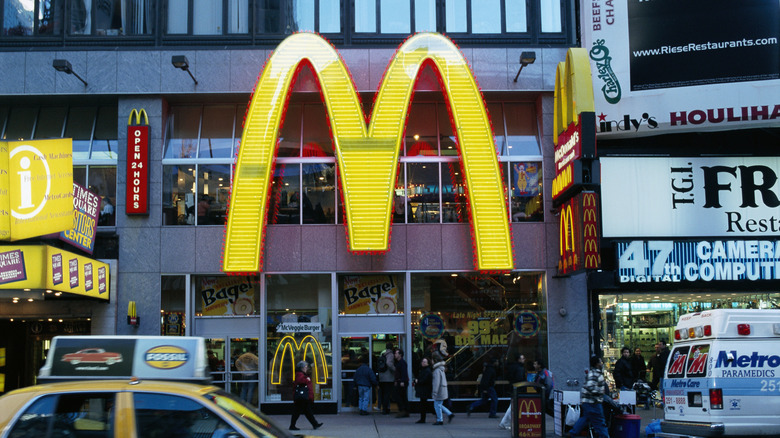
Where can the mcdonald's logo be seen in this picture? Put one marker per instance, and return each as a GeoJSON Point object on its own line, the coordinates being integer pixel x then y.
{"type": "Point", "coordinates": [137, 195]}
{"type": "Point", "coordinates": [367, 156]}
{"type": "Point", "coordinates": [579, 234]}
{"type": "Point", "coordinates": [528, 406]}
{"type": "Point", "coordinates": [566, 230]}
{"type": "Point", "coordinates": [289, 348]}
{"type": "Point", "coordinates": [592, 261]}
{"type": "Point", "coordinates": [562, 181]}
{"type": "Point", "coordinates": [573, 91]}
{"type": "Point", "coordinates": [137, 114]}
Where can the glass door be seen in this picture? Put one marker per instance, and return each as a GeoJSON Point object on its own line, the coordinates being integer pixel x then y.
{"type": "Point", "coordinates": [358, 349]}
{"type": "Point", "coordinates": [234, 366]}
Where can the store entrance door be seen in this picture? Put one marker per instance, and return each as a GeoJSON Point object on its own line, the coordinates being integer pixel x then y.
{"type": "Point", "coordinates": [355, 350]}
{"type": "Point", "coordinates": [234, 366]}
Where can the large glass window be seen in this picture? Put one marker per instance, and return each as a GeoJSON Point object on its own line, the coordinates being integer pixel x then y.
{"type": "Point", "coordinates": [482, 318]}
{"type": "Point", "coordinates": [303, 300]}
{"type": "Point", "coordinates": [33, 17]}
{"type": "Point", "coordinates": [394, 17]}
{"type": "Point", "coordinates": [111, 17]}
{"type": "Point", "coordinates": [173, 293]}
{"type": "Point", "coordinates": [208, 17]}
{"type": "Point", "coordinates": [489, 16]}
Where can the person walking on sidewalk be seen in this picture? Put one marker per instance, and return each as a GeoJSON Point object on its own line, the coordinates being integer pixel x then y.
{"type": "Point", "coordinates": [303, 406]}
{"type": "Point", "coordinates": [423, 386]}
{"type": "Point", "coordinates": [591, 397]}
{"type": "Point", "coordinates": [515, 373]}
{"type": "Point", "coordinates": [439, 390]}
{"type": "Point", "coordinates": [365, 379]}
{"type": "Point", "coordinates": [386, 376]}
{"type": "Point", "coordinates": [487, 389]}
{"type": "Point", "coordinates": [401, 384]}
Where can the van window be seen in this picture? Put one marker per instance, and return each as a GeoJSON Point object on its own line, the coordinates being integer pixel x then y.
{"type": "Point", "coordinates": [676, 368]}
{"type": "Point", "coordinates": [697, 360]}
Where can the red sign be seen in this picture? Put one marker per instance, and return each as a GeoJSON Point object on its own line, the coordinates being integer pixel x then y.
{"type": "Point", "coordinates": [576, 142]}
{"type": "Point", "coordinates": [529, 417]}
{"type": "Point", "coordinates": [579, 234]}
{"type": "Point", "coordinates": [137, 196]}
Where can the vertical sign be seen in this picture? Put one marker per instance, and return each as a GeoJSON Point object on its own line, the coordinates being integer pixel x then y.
{"type": "Point", "coordinates": [86, 207]}
{"type": "Point", "coordinates": [579, 234]}
{"type": "Point", "coordinates": [137, 196]}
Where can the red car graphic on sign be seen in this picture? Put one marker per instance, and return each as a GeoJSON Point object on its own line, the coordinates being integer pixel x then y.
{"type": "Point", "coordinates": [92, 355]}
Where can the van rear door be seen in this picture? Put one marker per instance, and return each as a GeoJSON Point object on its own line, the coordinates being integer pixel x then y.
{"type": "Point", "coordinates": [686, 393]}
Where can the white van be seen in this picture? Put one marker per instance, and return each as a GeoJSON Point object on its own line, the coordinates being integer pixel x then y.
{"type": "Point", "coordinates": [723, 375]}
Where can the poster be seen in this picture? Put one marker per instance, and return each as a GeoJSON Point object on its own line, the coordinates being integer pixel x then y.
{"type": "Point", "coordinates": [370, 294]}
{"type": "Point", "coordinates": [86, 206]}
{"type": "Point", "coordinates": [227, 296]}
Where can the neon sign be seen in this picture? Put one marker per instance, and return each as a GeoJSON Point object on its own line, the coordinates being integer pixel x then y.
{"type": "Point", "coordinates": [288, 346]}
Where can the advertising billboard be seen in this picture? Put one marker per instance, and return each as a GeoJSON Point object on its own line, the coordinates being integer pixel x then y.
{"type": "Point", "coordinates": [367, 155]}
{"type": "Point", "coordinates": [690, 196]}
{"type": "Point", "coordinates": [665, 66]}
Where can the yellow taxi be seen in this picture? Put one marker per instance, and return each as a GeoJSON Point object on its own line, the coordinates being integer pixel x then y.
{"type": "Point", "coordinates": [91, 401]}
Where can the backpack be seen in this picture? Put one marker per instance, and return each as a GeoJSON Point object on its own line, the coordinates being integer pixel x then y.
{"type": "Point", "coordinates": [381, 367]}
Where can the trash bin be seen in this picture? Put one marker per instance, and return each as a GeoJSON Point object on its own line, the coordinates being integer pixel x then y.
{"type": "Point", "coordinates": [625, 426]}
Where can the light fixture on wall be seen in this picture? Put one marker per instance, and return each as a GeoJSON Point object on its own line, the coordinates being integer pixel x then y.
{"type": "Point", "coordinates": [180, 61]}
{"type": "Point", "coordinates": [64, 66]}
{"type": "Point", "coordinates": [525, 59]}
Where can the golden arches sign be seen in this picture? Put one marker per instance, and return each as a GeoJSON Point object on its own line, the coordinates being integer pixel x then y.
{"type": "Point", "coordinates": [288, 347]}
{"type": "Point", "coordinates": [573, 90]}
{"type": "Point", "coordinates": [367, 155]}
{"type": "Point", "coordinates": [138, 114]}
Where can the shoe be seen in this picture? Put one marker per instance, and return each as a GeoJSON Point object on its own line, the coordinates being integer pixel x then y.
{"type": "Point", "coordinates": [318, 425]}
{"type": "Point", "coordinates": [450, 417]}
{"type": "Point", "coordinates": [420, 421]}
{"type": "Point", "coordinates": [364, 413]}
{"type": "Point", "coordinates": [438, 423]}
{"type": "Point", "coordinates": [493, 416]}
{"type": "Point", "coordinates": [293, 428]}
{"type": "Point", "coordinates": [468, 412]}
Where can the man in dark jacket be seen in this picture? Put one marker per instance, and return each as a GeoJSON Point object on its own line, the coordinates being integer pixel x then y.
{"type": "Point", "coordinates": [423, 385]}
{"type": "Point", "coordinates": [657, 364]}
{"type": "Point", "coordinates": [365, 379]}
{"type": "Point", "coordinates": [401, 383]}
{"type": "Point", "coordinates": [516, 373]}
{"type": "Point", "coordinates": [487, 388]}
{"type": "Point", "coordinates": [638, 365]}
{"type": "Point", "coordinates": [624, 376]}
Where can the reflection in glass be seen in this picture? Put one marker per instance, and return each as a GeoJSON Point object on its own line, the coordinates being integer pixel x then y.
{"type": "Point", "coordinates": [316, 132]}
{"type": "Point", "coordinates": [400, 200]}
{"type": "Point", "coordinates": [20, 123]}
{"type": "Point", "coordinates": [102, 182]}
{"type": "Point", "coordinates": [178, 10]}
{"type": "Point", "coordinates": [238, 16]}
{"type": "Point", "coordinates": [421, 136]}
{"type": "Point", "coordinates": [365, 16]}
{"type": "Point", "coordinates": [516, 20]}
{"type": "Point", "coordinates": [423, 192]}
{"type": "Point", "coordinates": [80, 17]}
{"type": "Point", "coordinates": [447, 138]}
{"type": "Point", "coordinates": [207, 17]}
{"type": "Point", "coordinates": [551, 16]}
{"type": "Point", "coordinates": [496, 112]}
{"type": "Point", "coordinates": [522, 138]}
{"type": "Point", "coordinates": [453, 194]}
{"type": "Point", "coordinates": [285, 203]}
{"type": "Point", "coordinates": [104, 146]}
{"type": "Point", "coordinates": [303, 11]}
{"type": "Point", "coordinates": [486, 16]}
{"type": "Point", "coordinates": [298, 298]}
{"type": "Point", "coordinates": [395, 16]}
{"type": "Point", "coordinates": [455, 14]}
{"type": "Point", "coordinates": [330, 16]}
{"type": "Point", "coordinates": [526, 190]}
{"type": "Point", "coordinates": [289, 139]}
{"type": "Point", "coordinates": [481, 317]}
{"type": "Point", "coordinates": [173, 307]}
{"type": "Point", "coordinates": [216, 137]}
{"type": "Point", "coordinates": [18, 18]}
{"type": "Point", "coordinates": [50, 122]}
{"type": "Point", "coordinates": [268, 16]}
{"type": "Point", "coordinates": [319, 193]}
{"type": "Point", "coordinates": [179, 195]}
{"type": "Point", "coordinates": [213, 193]}
{"type": "Point", "coordinates": [425, 15]}
{"type": "Point", "coordinates": [182, 135]}
{"type": "Point", "coordinates": [79, 128]}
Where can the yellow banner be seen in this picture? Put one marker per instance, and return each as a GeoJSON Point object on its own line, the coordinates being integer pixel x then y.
{"type": "Point", "coordinates": [227, 296]}
{"type": "Point", "coordinates": [47, 267]}
{"type": "Point", "coordinates": [370, 294]}
{"type": "Point", "coordinates": [36, 188]}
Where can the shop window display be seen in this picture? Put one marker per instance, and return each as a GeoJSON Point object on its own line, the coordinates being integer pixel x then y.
{"type": "Point", "coordinates": [299, 327]}
{"type": "Point", "coordinates": [482, 318]}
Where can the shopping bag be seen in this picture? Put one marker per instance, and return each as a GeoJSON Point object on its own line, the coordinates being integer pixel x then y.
{"type": "Point", "coordinates": [572, 415]}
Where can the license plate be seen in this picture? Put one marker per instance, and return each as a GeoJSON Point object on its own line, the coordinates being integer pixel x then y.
{"type": "Point", "coordinates": [694, 399]}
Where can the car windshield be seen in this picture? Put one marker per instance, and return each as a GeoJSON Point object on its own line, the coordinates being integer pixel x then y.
{"type": "Point", "coordinates": [246, 414]}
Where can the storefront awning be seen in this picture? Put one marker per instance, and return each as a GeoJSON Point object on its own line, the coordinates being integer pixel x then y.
{"type": "Point", "coordinates": [50, 268]}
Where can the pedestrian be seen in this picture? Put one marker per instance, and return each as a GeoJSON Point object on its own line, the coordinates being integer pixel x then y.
{"type": "Point", "coordinates": [515, 374]}
{"type": "Point", "coordinates": [623, 374]}
{"type": "Point", "coordinates": [439, 389]}
{"type": "Point", "coordinates": [638, 365]}
{"type": "Point", "coordinates": [423, 385]}
{"type": "Point", "coordinates": [401, 384]}
{"type": "Point", "coordinates": [303, 406]}
{"type": "Point", "coordinates": [487, 390]}
{"type": "Point", "coordinates": [365, 379]}
{"type": "Point", "coordinates": [386, 376]}
{"type": "Point", "coordinates": [591, 397]}
{"type": "Point", "coordinates": [657, 364]}
{"type": "Point", "coordinates": [247, 363]}
{"type": "Point", "coordinates": [545, 378]}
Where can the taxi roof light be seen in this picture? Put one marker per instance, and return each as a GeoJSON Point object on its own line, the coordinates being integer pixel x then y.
{"type": "Point", "coordinates": [743, 329]}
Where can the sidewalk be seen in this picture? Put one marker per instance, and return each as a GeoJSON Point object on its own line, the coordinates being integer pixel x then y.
{"type": "Point", "coordinates": [352, 425]}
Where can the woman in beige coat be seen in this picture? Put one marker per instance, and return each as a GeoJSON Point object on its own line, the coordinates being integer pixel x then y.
{"type": "Point", "coordinates": [439, 390]}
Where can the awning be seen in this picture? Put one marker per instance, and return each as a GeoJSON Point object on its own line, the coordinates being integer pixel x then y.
{"type": "Point", "coordinates": [50, 268]}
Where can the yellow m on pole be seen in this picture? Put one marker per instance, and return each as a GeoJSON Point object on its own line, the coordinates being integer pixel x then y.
{"type": "Point", "coordinates": [367, 155]}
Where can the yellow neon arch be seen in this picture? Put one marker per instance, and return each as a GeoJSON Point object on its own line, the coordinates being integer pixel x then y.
{"type": "Point", "coordinates": [288, 346]}
{"type": "Point", "coordinates": [367, 155]}
{"type": "Point", "coordinates": [573, 90]}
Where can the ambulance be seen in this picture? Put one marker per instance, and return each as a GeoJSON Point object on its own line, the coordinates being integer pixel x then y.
{"type": "Point", "coordinates": [723, 375]}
